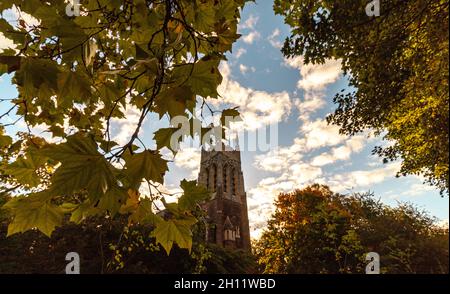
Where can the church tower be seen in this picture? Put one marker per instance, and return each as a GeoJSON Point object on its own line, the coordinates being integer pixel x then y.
{"type": "Point", "coordinates": [221, 173]}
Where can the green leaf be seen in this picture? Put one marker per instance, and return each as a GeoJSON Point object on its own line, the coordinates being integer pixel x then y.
{"type": "Point", "coordinates": [205, 17]}
{"type": "Point", "coordinates": [10, 64]}
{"type": "Point", "coordinates": [175, 101]}
{"type": "Point", "coordinates": [174, 231]}
{"type": "Point", "coordinates": [146, 165]}
{"type": "Point", "coordinates": [57, 131]}
{"type": "Point", "coordinates": [60, 68]}
{"type": "Point", "coordinates": [32, 75]}
{"type": "Point", "coordinates": [83, 211]}
{"type": "Point", "coordinates": [193, 195]}
{"type": "Point", "coordinates": [5, 141]}
{"type": "Point", "coordinates": [72, 88]}
{"type": "Point", "coordinates": [34, 211]}
{"type": "Point", "coordinates": [141, 54]}
{"type": "Point", "coordinates": [24, 169]}
{"type": "Point", "coordinates": [229, 115]}
{"type": "Point", "coordinates": [82, 167]}
{"type": "Point", "coordinates": [204, 78]}
{"type": "Point", "coordinates": [140, 210]}
{"type": "Point", "coordinates": [163, 138]}
{"type": "Point", "coordinates": [113, 199]}
{"type": "Point", "coordinates": [3, 69]}
{"type": "Point", "coordinates": [68, 207]}
{"type": "Point", "coordinates": [197, 129]}
{"type": "Point", "coordinates": [132, 202]}
{"type": "Point", "coordinates": [143, 213]}
{"type": "Point", "coordinates": [71, 37]}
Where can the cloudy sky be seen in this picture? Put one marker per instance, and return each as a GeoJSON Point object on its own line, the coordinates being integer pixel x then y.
{"type": "Point", "coordinates": [268, 89]}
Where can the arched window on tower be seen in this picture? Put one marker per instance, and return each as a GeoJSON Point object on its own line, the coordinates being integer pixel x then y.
{"type": "Point", "coordinates": [214, 177]}
{"type": "Point", "coordinates": [233, 181]}
{"type": "Point", "coordinates": [225, 178]}
{"type": "Point", "coordinates": [207, 178]}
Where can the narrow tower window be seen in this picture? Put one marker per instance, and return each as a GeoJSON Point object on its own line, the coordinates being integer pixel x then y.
{"type": "Point", "coordinates": [214, 177]}
{"type": "Point", "coordinates": [233, 182]}
{"type": "Point", "coordinates": [225, 183]}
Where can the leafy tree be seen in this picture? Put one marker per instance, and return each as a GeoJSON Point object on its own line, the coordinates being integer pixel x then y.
{"type": "Point", "coordinates": [74, 73]}
{"type": "Point", "coordinates": [4, 197]}
{"type": "Point", "coordinates": [229, 261]}
{"type": "Point", "coordinates": [314, 230]}
{"type": "Point", "coordinates": [109, 245]}
{"type": "Point", "coordinates": [397, 64]}
{"type": "Point", "coordinates": [310, 232]}
{"type": "Point", "coordinates": [407, 239]}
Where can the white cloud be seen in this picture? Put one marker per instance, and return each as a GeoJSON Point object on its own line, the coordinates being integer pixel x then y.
{"type": "Point", "coordinates": [274, 40]}
{"type": "Point", "coordinates": [257, 108]}
{"type": "Point", "coordinates": [303, 173]}
{"type": "Point", "coordinates": [189, 159]}
{"type": "Point", "coordinates": [320, 134]}
{"type": "Point", "coordinates": [29, 20]}
{"type": "Point", "coordinates": [311, 103]}
{"type": "Point", "coordinates": [313, 80]}
{"type": "Point", "coordinates": [416, 189]}
{"type": "Point", "coordinates": [294, 170]}
{"type": "Point", "coordinates": [17, 17]}
{"type": "Point", "coordinates": [327, 158]}
{"type": "Point", "coordinates": [315, 76]}
{"type": "Point", "coordinates": [251, 37]}
{"type": "Point", "coordinates": [260, 202]}
{"type": "Point", "coordinates": [362, 178]}
{"type": "Point", "coordinates": [281, 158]}
{"type": "Point", "coordinates": [123, 129]}
{"type": "Point", "coordinates": [244, 69]}
{"type": "Point", "coordinates": [354, 144]}
{"type": "Point", "coordinates": [6, 43]}
{"type": "Point", "coordinates": [249, 23]}
{"type": "Point", "coordinates": [240, 52]}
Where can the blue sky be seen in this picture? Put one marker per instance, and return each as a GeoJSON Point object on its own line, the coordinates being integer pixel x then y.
{"type": "Point", "coordinates": [268, 89]}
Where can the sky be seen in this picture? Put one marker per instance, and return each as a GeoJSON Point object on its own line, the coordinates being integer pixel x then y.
{"type": "Point", "coordinates": [269, 89]}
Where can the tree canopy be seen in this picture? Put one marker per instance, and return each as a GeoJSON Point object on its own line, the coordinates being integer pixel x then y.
{"type": "Point", "coordinates": [76, 68]}
{"type": "Point", "coordinates": [397, 64]}
{"type": "Point", "coordinates": [109, 245]}
{"type": "Point", "coordinates": [314, 230]}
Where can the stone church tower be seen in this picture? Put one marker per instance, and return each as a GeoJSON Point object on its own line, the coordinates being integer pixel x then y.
{"type": "Point", "coordinates": [221, 173]}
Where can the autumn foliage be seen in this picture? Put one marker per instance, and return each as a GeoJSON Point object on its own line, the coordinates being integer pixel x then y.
{"type": "Point", "coordinates": [314, 230]}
